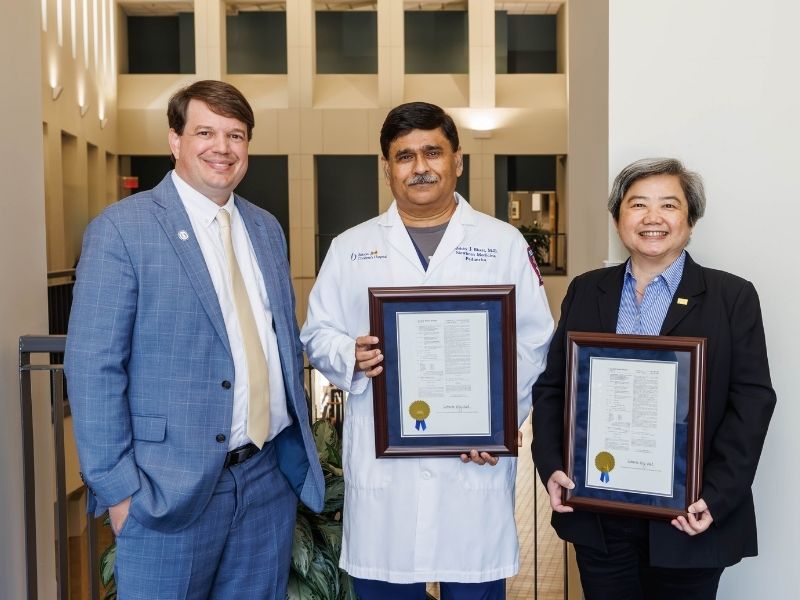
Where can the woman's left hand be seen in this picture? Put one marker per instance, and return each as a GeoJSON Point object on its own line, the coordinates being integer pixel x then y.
{"type": "Point", "coordinates": [697, 521]}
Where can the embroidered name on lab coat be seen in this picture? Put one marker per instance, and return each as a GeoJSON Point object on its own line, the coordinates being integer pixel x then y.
{"type": "Point", "coordinates": [476, 254]}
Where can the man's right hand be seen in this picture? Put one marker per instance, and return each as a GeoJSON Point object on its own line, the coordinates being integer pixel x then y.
{"type": "Point", "coordinates": [119, 514]}
{"type": "Point", "coordinates": [367, 358]}
{"type": "Point", "coordinates": [559, 480]}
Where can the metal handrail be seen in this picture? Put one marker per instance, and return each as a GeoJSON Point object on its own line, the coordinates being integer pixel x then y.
{"type": "Point", "coordinates": [47, 344]}
{"type": "Point", "coordinates": [60, 274]}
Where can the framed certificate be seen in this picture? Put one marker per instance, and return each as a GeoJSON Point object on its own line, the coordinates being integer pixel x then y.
{"type": "Point", "coordinates": [633, 423]}
{"type": "Point", "coordinates": [449, 382]}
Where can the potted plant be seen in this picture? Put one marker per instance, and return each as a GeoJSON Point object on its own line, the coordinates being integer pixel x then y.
{"type": "Point", "coordinates": [539, 241]}
{"type": "Point", "coordinates": [315, 573]}
{"type": "Point", "coordinates": [107, 560]}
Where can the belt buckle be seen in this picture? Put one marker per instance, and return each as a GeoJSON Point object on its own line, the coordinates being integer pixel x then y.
{"type": "Point", "coordinates": [240, 455]}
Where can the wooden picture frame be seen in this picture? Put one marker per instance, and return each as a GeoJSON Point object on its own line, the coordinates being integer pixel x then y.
{"type": "Point", "coordinates": [633, 423]}
{"type": "Point", "coordinates": [449, 383]}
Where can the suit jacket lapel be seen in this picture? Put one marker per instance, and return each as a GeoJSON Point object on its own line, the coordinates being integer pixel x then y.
{"type": "Point", "coordinates": [608, 300]}
{"type": "Point", "coordinates": [688, 295]}
{"type": "Point", "coordinates": [265, 247]}
{"type": "Point", "coordinates": [175, 222]}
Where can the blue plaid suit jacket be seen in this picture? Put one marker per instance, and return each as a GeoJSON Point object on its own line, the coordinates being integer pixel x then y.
{"type": "Point", "coordinates": [147, 355]}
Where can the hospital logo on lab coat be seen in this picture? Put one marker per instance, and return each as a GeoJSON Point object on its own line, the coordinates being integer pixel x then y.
{"type": "Point", "coordinates": [368, 255]}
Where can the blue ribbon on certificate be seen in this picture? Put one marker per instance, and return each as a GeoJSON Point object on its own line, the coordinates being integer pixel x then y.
{"type": "Point", "coordinates": [419, 411]}
{"type": "Point", "coordinates": [604, 461]}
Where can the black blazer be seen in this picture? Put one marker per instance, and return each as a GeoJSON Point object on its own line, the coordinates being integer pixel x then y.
{"type": "Point", "coordinates": [739, 402]}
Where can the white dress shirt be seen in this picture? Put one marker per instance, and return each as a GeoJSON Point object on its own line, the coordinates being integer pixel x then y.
{"type": "Point", "coordinates": [202, 215]}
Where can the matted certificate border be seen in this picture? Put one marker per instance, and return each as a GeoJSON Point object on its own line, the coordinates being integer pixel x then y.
{"type": "Point", "coordinates": [689, 354]}
{"type": "Point", "coordinates": [498, 303]}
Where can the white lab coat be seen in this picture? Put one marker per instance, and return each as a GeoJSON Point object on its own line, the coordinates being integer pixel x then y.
{"type": "Point", "coordinates": [433, 519]}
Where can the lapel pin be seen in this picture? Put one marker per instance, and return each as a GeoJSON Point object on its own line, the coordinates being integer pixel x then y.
{"type": "Point", "coordinates": [683, 301]}
{"type": "Point", "coordinates": [183, 235]}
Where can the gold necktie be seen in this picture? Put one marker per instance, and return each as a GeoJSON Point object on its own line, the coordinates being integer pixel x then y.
{"type": "Point", "coordinates": [257, 375]}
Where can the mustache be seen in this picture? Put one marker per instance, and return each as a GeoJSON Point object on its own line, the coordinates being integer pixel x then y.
{"type": "Point", "coordinates": [423, 178]}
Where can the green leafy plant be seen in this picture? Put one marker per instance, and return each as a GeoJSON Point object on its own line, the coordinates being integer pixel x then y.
{"type": "Point", "coordinates": [315, 573]}
{"type": "Point", "coordinates": [539, 241]}
{"type": "Point", "coordinates": [107, 560]}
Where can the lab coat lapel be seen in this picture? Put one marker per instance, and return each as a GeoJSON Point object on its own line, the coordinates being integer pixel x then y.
{"type": "Point", "coordinates": [453, 235]}
{"type": "Point", "coordinates": [398, 237]}
{"type": "Point", "coordinates": [178, 229]}
{"type": "Point", "coordinates": [266, 246]}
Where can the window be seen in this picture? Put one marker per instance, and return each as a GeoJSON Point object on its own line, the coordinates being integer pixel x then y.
{"type": "Point", "coordinates": [436, 42]}
{"type": "Point", "coordinates": [527, 196]}
{"type": "Point", "coordinates": [525, 43]}
{"type": "Point", "coordinates": [162, 44]}
{"type": "Point", "coordinates": [266, 184]}
{"type": "Point", "coordinates": [347, 194]}
{"type": "Point", "coordinates": [256, 42]}
{"type": "Point", "coordinates": [347, 42]}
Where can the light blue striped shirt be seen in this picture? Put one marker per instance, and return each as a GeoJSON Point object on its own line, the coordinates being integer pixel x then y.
{"type": "Point", "coordinates": [646, 318]}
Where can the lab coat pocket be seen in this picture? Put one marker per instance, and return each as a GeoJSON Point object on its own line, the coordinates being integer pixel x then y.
{"type": "Point", "coordinates": [361, 469]}
{"type": "Point", "coordinates": [485, 477]}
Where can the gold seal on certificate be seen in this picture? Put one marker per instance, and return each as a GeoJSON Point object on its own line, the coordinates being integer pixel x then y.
{"type": "Point", "coordinates": [419, 411]}
{"type": "Point", "coordinates": [604, 461]}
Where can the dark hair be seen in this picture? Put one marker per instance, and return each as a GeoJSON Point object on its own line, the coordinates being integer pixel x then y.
{"type": "Point", "coordinates": [222, 98]}
{"type": "Point", "coordinates": [416, 115]}
{"type": "Point", "coordinates": [691, 184]}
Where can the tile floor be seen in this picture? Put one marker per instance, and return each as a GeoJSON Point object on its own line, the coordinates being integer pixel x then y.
{"type": "Point", "coordinates": [541, 573]}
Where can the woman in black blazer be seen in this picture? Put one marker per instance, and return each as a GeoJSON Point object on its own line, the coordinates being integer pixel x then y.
{"type": "Point", "coordinates": [662, 291]}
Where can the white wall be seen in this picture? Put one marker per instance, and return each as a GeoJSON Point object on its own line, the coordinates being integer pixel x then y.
{"type": "Point", "coordinates": [23, 298]}
{"type": "Point", "coordinates": [715, 83]}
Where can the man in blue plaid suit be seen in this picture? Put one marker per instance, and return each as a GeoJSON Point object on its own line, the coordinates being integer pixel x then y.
{"type": "Point", "coordinates": [161, 376]}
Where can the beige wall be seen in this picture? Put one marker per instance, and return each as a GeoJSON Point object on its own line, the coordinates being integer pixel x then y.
{"type": "Point", "coordinates": [23, 298]}
{"type": "Point", "coordinates": [301, 114]}
{"type": "Point", "coordinates": [75, 191]}
{"type": "Point", "coordinates": [587, 162]}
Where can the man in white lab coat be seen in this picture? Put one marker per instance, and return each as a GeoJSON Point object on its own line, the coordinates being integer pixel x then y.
{"type": "Point", "coordinates": [408, 521]}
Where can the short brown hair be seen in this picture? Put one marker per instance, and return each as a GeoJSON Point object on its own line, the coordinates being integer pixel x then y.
{"type": "Point", "coordinates": [222, 98]}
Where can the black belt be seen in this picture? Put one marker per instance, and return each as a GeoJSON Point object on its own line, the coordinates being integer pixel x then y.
{"type": "Point", "coordinates": [240, 454]}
